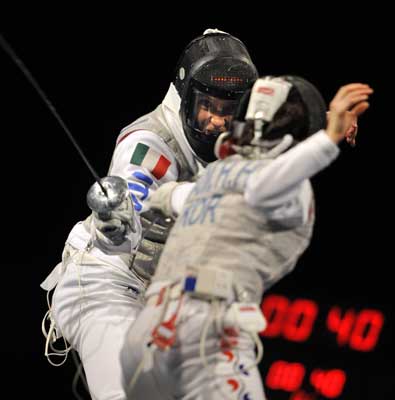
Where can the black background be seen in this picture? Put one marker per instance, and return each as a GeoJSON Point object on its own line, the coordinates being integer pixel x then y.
{"type": "Point", "coordinates": [103, 72]}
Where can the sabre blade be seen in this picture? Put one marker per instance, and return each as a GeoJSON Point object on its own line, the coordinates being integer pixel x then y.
{"type": "Point", "coordinates": [9, 50]}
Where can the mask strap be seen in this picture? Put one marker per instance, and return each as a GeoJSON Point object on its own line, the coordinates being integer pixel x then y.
{"type": "Point", "coordinates": [285, 143]}
{"type": "Point", "coordinates": [223, 146]}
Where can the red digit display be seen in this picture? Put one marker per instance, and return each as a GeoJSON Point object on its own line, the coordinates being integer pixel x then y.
{"type": "Point", "coordinates": [275, 310]}
{"type": "Point", "coordinates": [285, 376]}
{"type": "Point", "coordinates": [293, 320]}
{"type": "Point", "coordinates": [340, 324]}
{"type": "Point", "coordinates": [361, 331]}
{"type": "Point", "coordinates": [328, 383]}
{"type": "Point", "coordinates": [366, 330]}
{"type": "Point", "coordinates": [301, 317]}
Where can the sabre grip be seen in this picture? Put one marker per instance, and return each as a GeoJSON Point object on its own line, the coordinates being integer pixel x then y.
{"type": "Point", "coordinates": [113, 211]}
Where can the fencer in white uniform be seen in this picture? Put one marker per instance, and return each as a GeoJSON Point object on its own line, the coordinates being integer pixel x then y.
{"type": "Point", "coordinates": [241, 228]}
{"type": "Point", "coordinates": [108, 259]}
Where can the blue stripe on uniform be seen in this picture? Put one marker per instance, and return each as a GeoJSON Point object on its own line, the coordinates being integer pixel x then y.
{"type": "Point", "coordinates": [137, 205]}
{"type": "Point", "coordinates": [136, 187]}
{"type": "Point", "coordinates": [142, 177]}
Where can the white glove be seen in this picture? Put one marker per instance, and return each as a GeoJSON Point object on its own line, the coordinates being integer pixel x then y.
{"type": "Point", "coordinates": [170, 198]}
{"type": "Point", "coordinates": [160, 199]}
{"type": "Point", "coordinates": [113, 212]}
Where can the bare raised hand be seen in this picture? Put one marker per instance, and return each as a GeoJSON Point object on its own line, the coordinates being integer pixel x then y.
{"type": "Point", "coordinates": [348, 104]}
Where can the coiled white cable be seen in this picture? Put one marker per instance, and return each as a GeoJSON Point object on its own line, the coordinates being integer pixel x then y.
{"type": "Point", "coordinates": [51, 338]}
{"type": "Point", "coordinates": [202, 344]}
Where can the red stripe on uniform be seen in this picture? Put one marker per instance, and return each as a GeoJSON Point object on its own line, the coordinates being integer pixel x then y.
{"type": "Point", "coordinates": [125, 136]}
{"type": "Point", "coordinates": [161, 167]}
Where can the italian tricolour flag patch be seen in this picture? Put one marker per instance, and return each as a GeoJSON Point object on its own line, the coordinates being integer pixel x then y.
{"type": "Point", "coordinates": [148, 158]}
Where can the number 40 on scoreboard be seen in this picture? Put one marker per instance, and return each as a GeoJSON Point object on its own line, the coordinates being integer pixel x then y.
{"type": "Point", "coordinates": [294, 321]}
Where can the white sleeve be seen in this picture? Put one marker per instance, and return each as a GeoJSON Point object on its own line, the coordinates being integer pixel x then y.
{"type": "Point", "coordinates": [294, 211]}
{"type": "Point", "coordinates": [146, 162]}
{"type": "Point", "coordinates": [282, 188]}
{"type": "Point", "coordinates": [180, 195]}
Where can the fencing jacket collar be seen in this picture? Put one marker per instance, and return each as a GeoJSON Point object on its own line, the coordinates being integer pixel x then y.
{"type": "Point", "coordinates": [171, 109]}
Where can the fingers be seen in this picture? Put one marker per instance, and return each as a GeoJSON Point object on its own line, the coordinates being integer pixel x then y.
{"type": "Point", "coordinates": [356, 97]}
{"type": "Point", "coordinates": [351, 134]}
{"type": "Point", "coordinates": [360, 108]}
{"type": "Point", "coordinates": [353, 87]}
{"type": "Point", "coordinates": [350, 95]}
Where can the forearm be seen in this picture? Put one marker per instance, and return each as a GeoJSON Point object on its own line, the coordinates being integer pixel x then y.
{"type": "Point", "coordinates": [281, 179]}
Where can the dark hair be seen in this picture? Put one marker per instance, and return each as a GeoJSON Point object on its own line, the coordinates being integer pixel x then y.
{"type": "Point", "coordinates": [290, 118]}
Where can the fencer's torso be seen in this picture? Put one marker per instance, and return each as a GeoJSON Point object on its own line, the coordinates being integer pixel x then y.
{"type": "Point", "coordinates": [156, 231]}
{"type": "Point", "coordinates": [161, 132]}
{"type": "Point", "coordinates": [217, 228]}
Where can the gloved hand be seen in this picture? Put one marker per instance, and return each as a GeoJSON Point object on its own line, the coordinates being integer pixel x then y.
{"type": "Point", "coordinates": [160, 199]}
{"type": "Point", "coordinates": [113, 212]}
